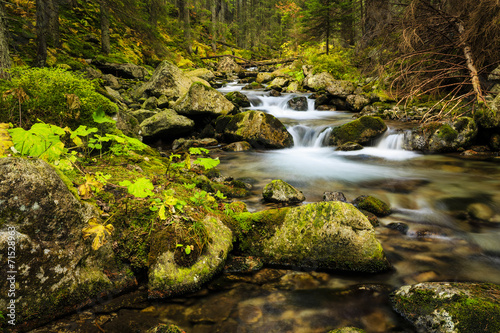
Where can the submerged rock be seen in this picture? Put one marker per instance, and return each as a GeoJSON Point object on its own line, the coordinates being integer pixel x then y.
{"type": "Point", "coordinates": [436, 307]}
{"type": "Point", "coordinates": [58, 271]}
{"type": "Point", "coordinates": [349, 146]}
{"type": "Point", "coordinates": [325, 235]}
{"type": "Point", "coordinates": [372, 205]}
{"type": "Point", "coordinates": [238, 146]}
{"type": "Point", "coordinates": [334, 196]}
{"type": "Point", "coordinates": [166, 124]}
{"type": "Point", "coordinates": [166, 275]}
{"type": "Point", "coordinates": [238, 99]}
{"type": "Point", "coordinates": [298, 103]}
{"type": "Point", "coordinates": [279, 191]}
{"type": "Point", "coordinates": [361, 131]}
{"type": "Point", "coordinates": [203, 100]}
{"type": "Point", "coordinates": [260, 129]}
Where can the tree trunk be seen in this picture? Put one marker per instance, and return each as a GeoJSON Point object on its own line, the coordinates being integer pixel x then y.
{"type": "Point", "coordinates": [105, 40]}
{"type": "Point", "coordinates": [53, 24]}
{"type": "Point", "coordinates": [472, 68]}
{"type": "Point", "coordinates": [187, 28]}
{"type": "Point", "coordinates": [5, 62]}
{"type": "Point", "coordinates": [213, 9]}
{"type": "Point", "coordinates": [42, 22]}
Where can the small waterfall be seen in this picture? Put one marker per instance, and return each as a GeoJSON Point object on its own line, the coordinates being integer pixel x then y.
{"type": "Point", "coordinates": [305, 136]}
{"type": "Point", "coordinates": [392, 141]}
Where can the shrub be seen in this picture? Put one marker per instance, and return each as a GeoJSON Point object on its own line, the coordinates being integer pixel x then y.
{"type": "Point", "coordinates": [53, 95]}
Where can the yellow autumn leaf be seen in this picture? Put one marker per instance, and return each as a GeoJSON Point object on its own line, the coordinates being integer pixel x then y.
{"type": "Point", "coordinates": [162, 213]}
{"type": "Point", "coordinates": [5, 139]}
{"type": "Point", "coordinates": [90, 184]}
{"type": "Point", "coordinates": [99, 231]}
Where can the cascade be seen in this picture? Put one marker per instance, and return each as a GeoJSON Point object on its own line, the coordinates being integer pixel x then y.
{"type": "Point", "coordinates": [305, 136]}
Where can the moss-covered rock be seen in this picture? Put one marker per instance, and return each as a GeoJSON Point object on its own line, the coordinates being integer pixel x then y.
{"type": "Point", "coordinates": [325, 235]}
{"type": "Point", "coordinates": [279, 83]}
{"type": "Point", "coordinates": [168, 276]}
{"type": "Point", "coordinates": [361, 131]}
{"type": "Point", "coordinates": [298, 103]}
{"type": "Point", "coordinates": [450, 307]}
{"type": "Point", "coordinates": [202, 73]}
{"type": "Point", "coordinates": [318, 82]}
{"type": "Point", "coordinates": [356, 103]}
{"type": "Point", "coordinates": [442, 137]}
{"type": "Point", "coordinates": [238, 99]}
{"type": "Point", "coordinates": [57, 269]}
{"type": "Point", "coordinates": [281, 192]}
{"type": "Point", "coordinates": [264, 77]}
{"type": "Point", "coordinates": [372, 205]}
{"type": "Point", "coordinates": [166, 123]}
{"type": "Point", "coordinates": [348, 330]}
{"type": "Point", "coordinates": [203, 100]}
{"type": "Point", "coordinates": [260, 129]}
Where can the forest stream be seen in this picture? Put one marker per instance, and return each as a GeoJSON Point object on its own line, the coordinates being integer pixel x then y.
{"type": "Point", "coordinates": [425, 239]}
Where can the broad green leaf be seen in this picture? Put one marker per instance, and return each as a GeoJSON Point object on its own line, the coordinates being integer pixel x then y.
{"type": "Point", "coordinates": [207, 163]}
{"type": "Point", "coordinates": [100, 117]}
{"type": "Point", "coordinates": [198, 151]}
{"type": "Point", "coordinates": [170, 200]}
{"type": "Point", "coordinates": [99, 231]}
{"type": "Point", "coordinates": [141, 188]}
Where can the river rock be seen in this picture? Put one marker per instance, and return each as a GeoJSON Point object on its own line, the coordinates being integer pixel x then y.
{"type": "Point", "coordinates": [279, 191]}
{"type": "Point", "coordinates": [437, 307]}
{"type": "Point", "coordinates": [325, 235]}
{"type": "Point", "coordinates": [238, 99]}
{"type": "Point", "coordinates": [142, 114]}
{"type": "Point", "coordinates": [185, 144]}
{"type": "Point", "coordinates": [151, 103]}
{"type": "Point", "coordinates": [238, 146]}
{"type": "Point", "coordinates": [293, 87]}
{"type": "Point", "coordinates": [258, 128]}
{"type": "Point", "coordinates": [228, 65]}
{"type": "Point", "coordinates": [264, 77]}
{"type": "Point", "coordinates": [168, 80]}
{"type": "Point", "coordinates": [279, 83]}
{"type": "Point", "coordinates": [372, 205]}
{"type": "Point", "coordinates": [442, 136]}
{"type": "Point", "coordinates": [348, 330]}
{"type": "Point", "coordinates": [357, 102]}
{"type": "Point", "coordinates": [168, 278]}
{"type": "Point", "coordinates": [298, 103]}
{"type": "Point", "coordinates": [480, 212]}
{"type": "Point", "coordinates": [318, 82]}
{"type": "Point", "coordinates": [128, 124]}
{"type": "Point", "coordinates": [274, 93]}
{"type": "Point", "coordinates": [349, 146]}
{"type": "Point", "coordinates": [203, 100]}
{"type": "Point", "coordinates": [126, 71]}
{"type": "Point", "coordinates": [361, 130]}
{"type": "Point", "coordinates": [334, 196]}
{"type": "Point", "coordinates": [166, 123]}
{"type": "Point", "coordinates": [57, 270]}
{"type": "Point", "coordinates": [164, 328]}
{"type": "Point", "coordinates": [202, 73]}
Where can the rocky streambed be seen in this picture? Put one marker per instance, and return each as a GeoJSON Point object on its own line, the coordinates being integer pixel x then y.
{"type": "Point", "coordinates": [321, 266]}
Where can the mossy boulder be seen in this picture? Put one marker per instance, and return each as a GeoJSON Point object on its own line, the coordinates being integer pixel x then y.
{"type": "Point", "coordinates": [318, 82]}
{"type": "Point", "coordinates": [166, 123]}
{"type": "Point", "coordinates": [203, 100]}
{"type": "Point", "coordinates": [228, 65]}
{"type": "Point", "coordinates": [264, 77]}
{"type": "Point", "coordinates": [361, 130]}
{"type": "Point", "coordinates": [168, 276]}
{"type": "Point", "coordinates": [450, 307]}
{"type": "Point", "coordinates": [325, 235]}
{"type": "Point", "coordinates": [142, 114]}
{"type": "Point", "coordinates": [168, 80]}
{"type": "Point", "coordinates": [279, 83]}
{"type": "Point", "coordinates": [372, 205]}
{"type": "Point", "coordinates": [202, 73]}
{"type": "Point", "coordinates": [440, 137]}
{"type": "Point", "coordinates": [279, 191]}
{"type": "Point", "coordinates": [57, 270]}
{"type": "Point", "coordinates": [238, 99]}
{"type": "Point", "coordinates": [489, 117]}
{"type": "Point", "coordinates": [125, 70]}
{"type": "Point", "coordinates": [260, 129]}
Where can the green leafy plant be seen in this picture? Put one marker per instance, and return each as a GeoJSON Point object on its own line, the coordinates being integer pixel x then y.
{"type": "Point", "coordinates": [140, 188]}
{"type": "Point", "coordinates": [187, 249]}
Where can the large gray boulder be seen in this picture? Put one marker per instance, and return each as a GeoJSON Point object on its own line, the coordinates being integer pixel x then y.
{"type": "Point", "coordinates": [260, 129]}
{"type": "Point", "coordinates": [279, 191]}
{"type": "Point", "coordinates": [228, 65]}
{"type": "Point", "coordinates": [41, 223]}
{"type": "Point", "coordinates": [203, 100]}
{"type": "Point", "coordinates": [436, 307]}
{"type": "Point", "coordinates": [168, 80]}
{"type": "Point", "coordinates": [166, 123]}
{"type": "Point", "coordinates": [361, 130]}
{"type": "Point", "coordinates": [172, 271]}
{"type": "Point", "coordinates": [442, 136]}
{"type": "Point", "coordinates": [326, 82]}
{"type": "Point", "coordinates": [326, 235]}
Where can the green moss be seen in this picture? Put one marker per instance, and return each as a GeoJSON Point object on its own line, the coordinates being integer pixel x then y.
{"type": "Point", "coordinates": [361, 130]}
{"type": "Point", "coordinates": [372, 205]}
{"type": "Point", "coordinates": [447, 133]}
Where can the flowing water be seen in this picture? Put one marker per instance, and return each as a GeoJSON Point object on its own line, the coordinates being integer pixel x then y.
{"type": "Point", "coordinates": [427, 237]}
